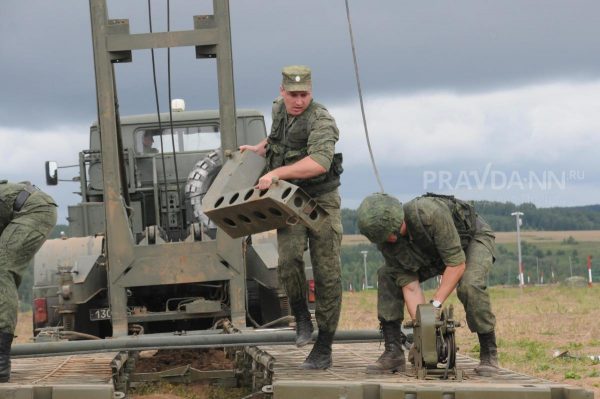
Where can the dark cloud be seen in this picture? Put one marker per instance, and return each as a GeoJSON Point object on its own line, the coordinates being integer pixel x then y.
{"type": "Point", "coordinates": [47, 68]}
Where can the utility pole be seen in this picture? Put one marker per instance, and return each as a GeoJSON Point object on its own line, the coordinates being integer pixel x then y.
{"type": "Point", "coordinates": [364, 254]}
{"type": "Point", "coordinates": [517, 216]}
{"type": "Point", "coordinates": [589, 265]}
{"type": "Point", "coordinates": [537, 267]}
{"type": "Point", "coordinates": [571, 266]}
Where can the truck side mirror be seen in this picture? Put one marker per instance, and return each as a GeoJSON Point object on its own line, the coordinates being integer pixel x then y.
{"type": "Point", "coordinates": [51, 173]}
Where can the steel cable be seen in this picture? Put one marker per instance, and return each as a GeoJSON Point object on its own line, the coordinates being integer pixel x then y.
{"type": "Point", "coordinates": [180, 202]}
{"type": "Point", "coordinates": [162, 152]}
{"type": "Point", "coordinates": [360, 97]}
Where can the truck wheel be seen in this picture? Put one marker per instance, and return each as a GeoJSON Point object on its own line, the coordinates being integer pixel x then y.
{"type": "Point", "coordinates": [198, 183]}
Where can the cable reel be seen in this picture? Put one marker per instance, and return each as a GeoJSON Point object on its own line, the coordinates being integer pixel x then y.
{"type": "Point", "coordinates": [435, 342]}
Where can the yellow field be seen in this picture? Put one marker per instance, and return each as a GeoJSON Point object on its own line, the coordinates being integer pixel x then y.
{"type": "Point", "coordinates": [511, 236]}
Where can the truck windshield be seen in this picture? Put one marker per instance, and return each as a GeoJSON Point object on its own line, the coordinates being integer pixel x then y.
{"type": "Point", "coordinates": [188, 138]}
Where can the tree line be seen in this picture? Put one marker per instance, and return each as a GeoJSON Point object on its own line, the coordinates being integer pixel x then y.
{"type": "Point", "coordinates": [498, 215]}
{"type": "Point", "coordinates": [544, 263]}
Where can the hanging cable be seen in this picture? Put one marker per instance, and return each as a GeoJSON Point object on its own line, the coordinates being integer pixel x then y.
{"type": "Point", "coordinates": [171, 117]}
{"type": "Point", "coordinates": [162, 152]}
{"type": "Point", "coordinates": [362, 107]}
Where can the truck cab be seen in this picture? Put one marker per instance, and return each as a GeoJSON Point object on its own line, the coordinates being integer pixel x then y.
{"type": "Point", "coordinates": [156, 177]}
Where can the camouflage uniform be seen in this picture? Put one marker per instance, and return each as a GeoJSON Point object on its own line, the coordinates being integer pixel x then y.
{"type": "Point", "coordinates": [22, 233]}
{"type": "Point", "coordinates": [313, 133]}
{"type": "Point", "coordinates": [440, 232]}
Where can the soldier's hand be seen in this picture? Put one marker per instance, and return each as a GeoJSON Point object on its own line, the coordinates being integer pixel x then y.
{"type": "Point", "coordinates": [266, 181]}
{"type": "Point", "coordinates": [257, 149]}
{"type": "Point", "coordinates": [247, 147]}
{"type": "Point", "coordinates": [437, 308]}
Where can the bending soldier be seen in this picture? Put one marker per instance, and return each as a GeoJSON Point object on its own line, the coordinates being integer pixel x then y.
{"type": "Point", "coordinates": [27, 216]}
{"type": "Point", "coordinates": [429, 236]}
{"type": "Point", "coordinates": [300, 149]}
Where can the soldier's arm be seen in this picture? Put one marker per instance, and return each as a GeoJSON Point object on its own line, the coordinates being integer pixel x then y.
{"type": "Point", "coordinates": [447, 243]}
{"type": "Point", "coordinates": [446, 238]}
{"type": "Point", "coordinates": [320, 149]}
{"type": "Point", "coordinates": [321, 141]}
{"type": "Point", "coordinates": [450, 279]}
{"type": "Point", "coordinates": [303, 169]}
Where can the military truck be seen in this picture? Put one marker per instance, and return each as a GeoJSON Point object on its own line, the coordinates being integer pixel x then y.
{"type": "Point", "coordinates": [165, 187]}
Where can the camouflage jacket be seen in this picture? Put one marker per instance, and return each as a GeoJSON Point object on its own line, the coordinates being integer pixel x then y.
{"type": "Point", "coordinates": [438, 232]}
{"type": "Point", "coordinates": [313, 133]}
{"type": "Point", "coordinates": [8, 195]}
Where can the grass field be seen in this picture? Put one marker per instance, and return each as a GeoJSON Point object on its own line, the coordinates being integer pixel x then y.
{"type": "Point", "coordinates": [531, 324]}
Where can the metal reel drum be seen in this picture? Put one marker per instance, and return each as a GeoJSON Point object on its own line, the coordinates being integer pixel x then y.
{"type": "Point", "coordinates": [434, 342]}
{"type": "Point", "coordinates": [426, 354]}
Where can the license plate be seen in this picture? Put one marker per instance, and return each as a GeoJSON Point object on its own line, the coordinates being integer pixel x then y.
{"type": "Point", "coordinates": [100, 314]}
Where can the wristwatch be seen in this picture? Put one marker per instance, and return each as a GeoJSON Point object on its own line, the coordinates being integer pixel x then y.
{"type": "Point", "coordinates": [436, 304]}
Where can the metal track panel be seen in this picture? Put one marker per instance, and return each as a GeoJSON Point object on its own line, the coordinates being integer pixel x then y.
{"type": "Point", "coordinates": [347, 379]}
{"type": "Point", "coordinates": [61, 377]}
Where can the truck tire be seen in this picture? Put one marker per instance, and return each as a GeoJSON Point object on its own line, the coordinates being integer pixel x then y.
{"type": "Point", "coordinates": [198, 183]}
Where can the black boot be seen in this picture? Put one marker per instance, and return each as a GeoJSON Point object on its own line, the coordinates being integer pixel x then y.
{"type": "Point", "coordinates": [392, 359]}
{"type": "Point", "coordinates": [304, 327]}
{"type": "Point", "coordinates": [319, 357]}
{"type": "Point", "coordinates": [488, 355]}
{"type": "Point", "coordinates": [5, 343]}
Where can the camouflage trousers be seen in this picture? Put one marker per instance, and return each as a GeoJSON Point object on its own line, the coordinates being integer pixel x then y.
{"type": "Point", "coordinates": [19, 242]}
{"type": "Point", "coordinates": [324, 248]}
{"type": "Point", "coordinates": [471, 291]}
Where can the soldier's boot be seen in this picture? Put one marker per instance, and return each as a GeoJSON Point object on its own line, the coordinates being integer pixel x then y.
{"type": "Point", "coordinates": [392, 359]}
{"type": "Point", "coordinates": [319, 357]}
{"type": "Point", "coordinates": [304, 327]}
{"type": "Point", "coordinates": [488, 355]}
{"type": "Point", "coordinates": [5, 343]}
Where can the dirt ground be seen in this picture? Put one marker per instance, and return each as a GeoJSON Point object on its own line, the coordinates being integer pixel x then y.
{"type": "Point", "coordinates": [200, 359]}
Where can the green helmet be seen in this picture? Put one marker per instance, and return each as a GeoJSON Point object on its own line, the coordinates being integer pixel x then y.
{"type": "Point", "coordinates": [379, 215]}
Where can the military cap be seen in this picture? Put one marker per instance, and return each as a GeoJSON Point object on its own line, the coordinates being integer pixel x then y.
{"type": "Point", "coordinates": [379, 215]}
{"type": "Point", "coordinates": [296, 78]}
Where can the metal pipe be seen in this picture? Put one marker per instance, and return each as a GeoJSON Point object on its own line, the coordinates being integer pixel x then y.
{"type": "Point", "coordinates": [147, 342]}
{"type": "Point", "coordinates": [518, 215]}
{"type": "Point", "coordinates": [260, 356]}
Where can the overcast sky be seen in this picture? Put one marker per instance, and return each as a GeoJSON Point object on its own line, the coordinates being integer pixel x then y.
{"type": "Point", "coordinates": [494, 100]}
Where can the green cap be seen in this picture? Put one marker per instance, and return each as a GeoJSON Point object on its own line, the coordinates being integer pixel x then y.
{"type": "Point", "coordinates": [296, 78]}
{"type": "Point", "coordinates": [379, 215]}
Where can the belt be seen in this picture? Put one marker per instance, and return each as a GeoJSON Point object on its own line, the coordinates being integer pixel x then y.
{"type": "Point", "coordinates": [23, 196]}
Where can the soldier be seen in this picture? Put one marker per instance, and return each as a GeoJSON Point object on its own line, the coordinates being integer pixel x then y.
{"type": "Point", "coordinates": [300, 149]}
{"type": "Point", "coordinates": [148, 143]}
{"type": "Point", "coordinates": [429, 236]}
{"type": "Point", "coordinates": [27, 216]}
